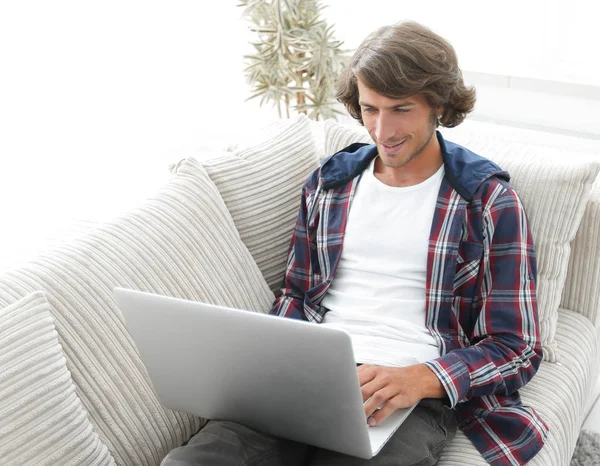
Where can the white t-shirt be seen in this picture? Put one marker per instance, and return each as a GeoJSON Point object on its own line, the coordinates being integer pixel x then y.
{"type": "Point", "coordinates": [378, 292]}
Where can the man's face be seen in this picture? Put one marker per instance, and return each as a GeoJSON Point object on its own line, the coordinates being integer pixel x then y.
{"type": "Point", "coordinates": [401, 128]}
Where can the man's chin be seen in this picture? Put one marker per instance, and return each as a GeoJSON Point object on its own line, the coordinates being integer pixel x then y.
{"type": "Point", "coordinates": [393, 162]}
{"type": "Point", "coordinates": [391, 157]}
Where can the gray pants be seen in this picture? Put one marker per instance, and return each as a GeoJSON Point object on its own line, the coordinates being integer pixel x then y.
{"type": "Point", "coordinates": [419, 441]}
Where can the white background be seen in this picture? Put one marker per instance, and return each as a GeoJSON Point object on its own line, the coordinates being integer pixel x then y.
{"type": "Point", "coordinates": [544, 39]}
{"type": "Point", "coordinates": [98, 97]}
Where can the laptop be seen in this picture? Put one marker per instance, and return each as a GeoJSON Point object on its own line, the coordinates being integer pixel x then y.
{"type": "Point", "coordinates": [288, 378]}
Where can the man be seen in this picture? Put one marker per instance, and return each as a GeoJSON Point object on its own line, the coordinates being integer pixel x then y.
{"type": "Point", "coordinates": [421, 251]}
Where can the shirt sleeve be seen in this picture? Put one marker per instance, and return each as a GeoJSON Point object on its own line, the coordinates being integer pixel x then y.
{"type": "Point", "coordinates": [297, 279]}
{"type": "Point", "coordinates": [505, 350]}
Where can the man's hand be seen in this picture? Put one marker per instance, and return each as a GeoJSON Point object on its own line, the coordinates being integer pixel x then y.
{"type": "Point", "coordinates": [396, 388]}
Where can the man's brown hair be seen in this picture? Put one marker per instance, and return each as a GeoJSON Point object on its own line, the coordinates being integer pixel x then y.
{"type": "Point", "coordinates": [405, 59]}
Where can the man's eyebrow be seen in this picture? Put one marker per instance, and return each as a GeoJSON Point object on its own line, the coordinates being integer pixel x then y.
{"type": "Point", "coordinates": [407, 103]}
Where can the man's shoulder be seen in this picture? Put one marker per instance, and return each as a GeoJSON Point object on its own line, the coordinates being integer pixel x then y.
{"type": "Point", "coordinates": [494, 194]}
{"type": "Point", "coordinates": [312, 181]}
{"type": "Point", "coordinates": [338, 168]}
{"type": "Point", "coordinates": [493, 184]}
{"type": "Point", "coordinates": [470, 173]}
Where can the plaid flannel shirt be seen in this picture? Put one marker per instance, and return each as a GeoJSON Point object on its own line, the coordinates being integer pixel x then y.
{"type": "Point", "coordinates": [480, 290]}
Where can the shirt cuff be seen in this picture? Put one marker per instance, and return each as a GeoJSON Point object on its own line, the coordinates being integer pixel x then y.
{"type": "Point", "coordinates": [453, 375]}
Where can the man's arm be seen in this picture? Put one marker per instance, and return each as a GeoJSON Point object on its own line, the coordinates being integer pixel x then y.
{"type": "Point", "coordinates": [505, 349]}
{"type": "Point", "coordinates": [297, 279]}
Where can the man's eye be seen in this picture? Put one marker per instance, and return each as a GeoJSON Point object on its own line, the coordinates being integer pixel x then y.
{"type": "Point", "coordinates": [368, 110]}
{"type": "Point", "coordinates": [402, 110]}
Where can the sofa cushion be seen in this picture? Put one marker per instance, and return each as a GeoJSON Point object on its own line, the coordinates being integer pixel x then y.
{"type": "Point", "coordinates": [338, 136]}
{"type": "Point", "coordinates": [181, 243]}
{"type": "Point", "coordinates": [261, 183]}
{"type": "Point", "coordinates": [583, 277]}
{"type": "Point", "coordinates": [42, 421]}
{"type": "Point", "coordinates": [558, 392]}
{"type": "Point", "coordinates": [554, 190]}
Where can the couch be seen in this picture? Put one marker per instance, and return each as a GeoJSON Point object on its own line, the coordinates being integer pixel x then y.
{"type": "Point", "coordinates": [73, 390]}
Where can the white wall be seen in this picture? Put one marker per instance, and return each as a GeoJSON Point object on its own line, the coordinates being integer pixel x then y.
{"type": "Point", "coordinates": [542, 39]}
{"type": "Point", "coordinates": [97, 98]}
{"type": "Point", "coordinates": [533, 61]}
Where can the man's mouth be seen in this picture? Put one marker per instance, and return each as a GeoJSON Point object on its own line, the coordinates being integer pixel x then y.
{"type": "Point", "coordinates": [392, 148]}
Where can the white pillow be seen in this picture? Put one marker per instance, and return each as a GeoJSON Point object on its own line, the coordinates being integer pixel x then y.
{"type": "Point", "coordinates": [181, 243]}
{"type": "Point", "coordinates": [42, 421]}
{"type": "Point", "coordinates": [554, 186]}
{"type": "Point", "coordinates": [338, 136]}
{"type": "Point", "coordinates": [261, 185]}
{"type": "Point", "coordinates": [583, 278]}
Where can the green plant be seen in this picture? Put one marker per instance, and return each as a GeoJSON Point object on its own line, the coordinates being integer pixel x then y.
{"type": "Point", "coordinates": [297, 60]}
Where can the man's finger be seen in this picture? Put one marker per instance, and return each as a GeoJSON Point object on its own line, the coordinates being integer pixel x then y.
{"type": "Point", "coordinates": [380, 397]}
{"type": "Point", "coordinates": [369, 389]}
{"type": "Point", "coordinates": [366, 375]}
{"type": "Point", "coordinates": [390, 406]}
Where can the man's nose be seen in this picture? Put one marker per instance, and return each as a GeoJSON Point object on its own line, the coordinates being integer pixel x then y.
{"type": "Point", "coordinates": [385, 128]}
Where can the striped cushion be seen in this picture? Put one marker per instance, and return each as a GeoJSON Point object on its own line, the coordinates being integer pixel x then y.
{"type": "Point", "coordinates": [261, 185]}
{"type": "Point", "coordinates": [181, 243]}
{"type": "Point", "coordinates": [42, 421]}
{"type": "Point", "coordinates": [338, 136]}
{"type": "Point", "coordinates": [583, 278]}
{"type": "Point", "coordinates": [554, 190]}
